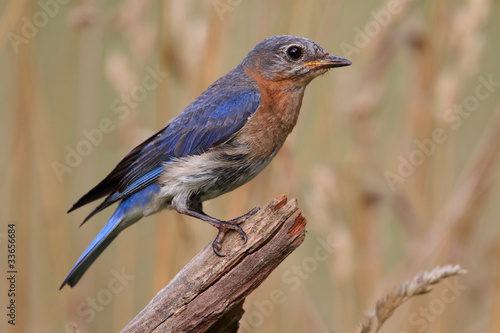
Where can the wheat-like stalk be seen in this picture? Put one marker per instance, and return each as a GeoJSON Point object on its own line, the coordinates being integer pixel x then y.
{"type": "Point", "coordinates": [419, 285]}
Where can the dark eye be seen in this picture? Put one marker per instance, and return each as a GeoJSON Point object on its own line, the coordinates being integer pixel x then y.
{"type": "Point", "coordinates": [294, 52]}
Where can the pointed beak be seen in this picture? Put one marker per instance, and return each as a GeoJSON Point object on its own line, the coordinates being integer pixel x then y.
{"type": "Point", "coordinates": [328, 61]}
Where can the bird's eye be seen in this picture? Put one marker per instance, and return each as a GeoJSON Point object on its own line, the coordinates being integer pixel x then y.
{"type": "Point", "coordinates": [294, 52]}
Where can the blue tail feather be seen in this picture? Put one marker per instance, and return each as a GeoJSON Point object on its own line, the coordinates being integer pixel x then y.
{"type": "Point", "coordinates": [102, 240]}
{"type": "Point", "coordinates": [128, 212]}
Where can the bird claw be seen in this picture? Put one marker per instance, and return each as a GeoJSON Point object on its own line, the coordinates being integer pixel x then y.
{"type": "Point", "coordinates": [216, 246]}
{"type": "Point", "coordinates": [217, 242]}
{"type": "Point", "coordinates": [231, 225]}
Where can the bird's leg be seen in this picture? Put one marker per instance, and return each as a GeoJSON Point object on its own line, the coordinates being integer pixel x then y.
{"type": "Point", "coordinates": [243, 218]}
{"type": "Point", "coordinates": [234, 223]}
{"type": "Point", "coordinates": [194, 209]}
{"type": "Point", "coordinates": [223, 227]}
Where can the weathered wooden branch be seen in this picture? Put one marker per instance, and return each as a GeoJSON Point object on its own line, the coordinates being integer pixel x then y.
{"type": "Point", "coordinates": [207, 295]}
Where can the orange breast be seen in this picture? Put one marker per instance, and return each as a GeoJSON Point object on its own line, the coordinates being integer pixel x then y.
{"type": "Point", "coordinates": [266, 131]}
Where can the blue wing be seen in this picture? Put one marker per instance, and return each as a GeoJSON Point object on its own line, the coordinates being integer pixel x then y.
{"type": "Point", "coordinates": [212, 119]}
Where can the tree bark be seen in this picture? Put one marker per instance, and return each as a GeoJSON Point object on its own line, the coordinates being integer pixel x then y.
{"type": "Point", "coordinates": [207, 295]}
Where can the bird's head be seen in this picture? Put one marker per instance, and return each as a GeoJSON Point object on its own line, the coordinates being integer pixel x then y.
{"type": "Point", "coordinates": [290, 58]}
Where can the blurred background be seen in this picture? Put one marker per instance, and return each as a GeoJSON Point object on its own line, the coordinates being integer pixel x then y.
{"type": "Point", "coordinates": [394, 159]}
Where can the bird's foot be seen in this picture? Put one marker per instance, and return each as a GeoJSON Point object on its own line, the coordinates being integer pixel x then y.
{"type": "Point", "coordinates": [243, 218]}
{"type": "Point", "coordinates": [233, 224]}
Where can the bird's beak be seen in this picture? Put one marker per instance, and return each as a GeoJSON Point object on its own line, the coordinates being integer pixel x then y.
{"type": "Point", "coordinates": [328, 61]}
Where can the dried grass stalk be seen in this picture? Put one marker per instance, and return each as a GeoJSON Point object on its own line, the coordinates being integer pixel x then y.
{"type": "Point", "coordinates": [421, 284]}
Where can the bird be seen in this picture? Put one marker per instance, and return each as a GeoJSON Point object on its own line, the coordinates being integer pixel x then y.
{"type": "Point", "coordinates": [219, 142]}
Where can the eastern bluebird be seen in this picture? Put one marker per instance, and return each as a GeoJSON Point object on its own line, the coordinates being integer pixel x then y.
{"type": "Point", "coordinates": [223, 139]}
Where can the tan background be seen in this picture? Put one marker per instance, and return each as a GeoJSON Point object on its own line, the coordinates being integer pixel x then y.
{"type": "Point", "coordinates": [64, 68]}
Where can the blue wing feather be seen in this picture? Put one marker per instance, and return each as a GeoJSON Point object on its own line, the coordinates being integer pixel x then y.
{"type": "Point", "coordinates": [212, 119]}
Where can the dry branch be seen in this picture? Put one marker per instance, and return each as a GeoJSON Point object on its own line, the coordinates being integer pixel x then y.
{"type": "Point", "coordinates": [207, 295]}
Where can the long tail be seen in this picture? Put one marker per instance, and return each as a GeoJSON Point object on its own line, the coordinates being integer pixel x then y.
{"type": "Point", "coordinates": [128, 212]}
{"type": "Point", "coordinates": [99, 244]}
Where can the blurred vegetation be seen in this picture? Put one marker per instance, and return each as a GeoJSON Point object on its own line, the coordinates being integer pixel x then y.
{"type": "Point", "coordinates": [66, 67]}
